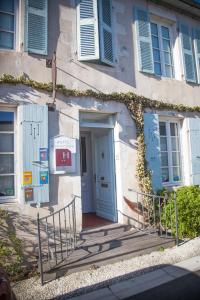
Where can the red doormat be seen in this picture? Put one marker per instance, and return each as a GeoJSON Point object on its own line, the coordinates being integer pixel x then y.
{"type": "Point", "coordinates": [92, 220]}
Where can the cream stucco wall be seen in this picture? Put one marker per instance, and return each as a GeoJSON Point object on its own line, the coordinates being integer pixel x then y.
{"type": "Point", "coordinates": [65, 121]}
{"type": "Point", "coordinates": [124, 76]}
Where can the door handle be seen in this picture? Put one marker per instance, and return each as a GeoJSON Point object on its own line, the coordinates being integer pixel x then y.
{"type": "Point", "coordinates": [95, 178]}
{"type": "Point", "coordinates": [102, 178]}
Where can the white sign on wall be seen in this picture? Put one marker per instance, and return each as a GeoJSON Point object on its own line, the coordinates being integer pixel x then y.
{"type": "Point", "coordinates": [62, 155]}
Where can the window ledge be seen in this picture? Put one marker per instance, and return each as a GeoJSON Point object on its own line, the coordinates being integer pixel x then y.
{"type": "Point", "coordinates": [8, 199]}
{"type": "Point", "coordinates": [158, 76]}
{"type": "Point", "coordinates": [171, 184]}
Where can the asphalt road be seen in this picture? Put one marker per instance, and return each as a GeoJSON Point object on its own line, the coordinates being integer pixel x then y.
{"type": "Point", "coordinates": [184, 288]}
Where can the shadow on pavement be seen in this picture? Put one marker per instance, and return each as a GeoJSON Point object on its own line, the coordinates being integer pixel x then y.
{"type": "Point", "coordinates": [166, 282]}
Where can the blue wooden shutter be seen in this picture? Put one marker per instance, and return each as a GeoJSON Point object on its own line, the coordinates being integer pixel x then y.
{"type": "Point", "coordinates": [34, 134]}
{"type": "Point", "coordinates": [106, 32]}
{"type": "Point", "coordinates": [152, 142]}
{"type": "Point", "coordinates": [194, 140]}
{"type": "Point", "coordinates": [197, 51]}
{"type": "Point", "coordinates": [36, 26]}
{"type": "Point", "coordinates": [188, 55]}
{"type": "Point", "coordinates": [144, 43]}
{"type": "Point", "coordinates": [87, 30]}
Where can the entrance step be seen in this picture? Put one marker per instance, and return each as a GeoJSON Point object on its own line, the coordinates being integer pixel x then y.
{"type": "Point", "coordinates": [107, 245]}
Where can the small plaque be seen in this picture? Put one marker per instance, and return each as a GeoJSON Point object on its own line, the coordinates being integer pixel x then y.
{"type": "Point", "coordinates": [27, 178]}
{"type": "Point", "coordinates": [43, 154]}
{"type": "Point", "coordinates": [28, 193]}
{"type": "Point", "coordinates": [44, 177]}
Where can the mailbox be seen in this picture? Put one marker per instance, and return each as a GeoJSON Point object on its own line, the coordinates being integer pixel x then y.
{"type": "Point", "coordinates": [62, 155]}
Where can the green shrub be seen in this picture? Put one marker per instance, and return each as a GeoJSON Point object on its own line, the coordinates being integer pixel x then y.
{"type": "Point", "coordinates": [188, 205]}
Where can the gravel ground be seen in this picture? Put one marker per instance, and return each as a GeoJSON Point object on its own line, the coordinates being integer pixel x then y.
{"type": "Point", "coordinates": [81, 282]}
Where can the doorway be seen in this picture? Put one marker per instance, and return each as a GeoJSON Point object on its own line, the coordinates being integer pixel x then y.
{"type": "Point", "coordinates": [98, 175]}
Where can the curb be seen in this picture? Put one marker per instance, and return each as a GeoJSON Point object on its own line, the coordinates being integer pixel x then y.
{"type": "Point", "coordinates": [137, 285]}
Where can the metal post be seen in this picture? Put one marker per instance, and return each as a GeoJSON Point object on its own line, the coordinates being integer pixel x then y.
{"type": "Point", "coordinates": [40, 250]}
{"type": "Point", "coordinates": [176, 220]}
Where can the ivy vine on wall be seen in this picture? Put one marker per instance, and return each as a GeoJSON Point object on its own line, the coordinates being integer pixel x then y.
{"type": "Point", "coordinates": [135, 104]}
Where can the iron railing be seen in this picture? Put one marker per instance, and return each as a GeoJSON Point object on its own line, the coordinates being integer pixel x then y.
{"type": "Point", "coordinates": [154, 216]}
{"type": "Point", "coordinates": [57, 237]}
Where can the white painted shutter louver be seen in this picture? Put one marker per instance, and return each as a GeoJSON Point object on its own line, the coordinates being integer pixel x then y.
{"type": "Point", "coordinates": [188, 55]}
{"type": "Point", "coordinates": [144, 43]}
{"type": "Point", "coordinates": [87, 30]}
{"type": "Point", "coordinates": [106, 31]}
{"type": "Point", "coordinates": [197, 51]}
{"type": "Point", "coordinates": [36, 26]}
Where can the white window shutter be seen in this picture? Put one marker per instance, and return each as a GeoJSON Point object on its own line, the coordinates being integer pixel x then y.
{"type": "Point", "coordinates": [106, 32]}
{"type": "Point", "coordinates": [144, 43]}
{"type": "Point", "coordinates": [36, 26]}
{"type": "Point", "coordinates": [188, 54]}
{"type": "Point", "coordinates": [197, 51]}
{"type": "Point", "coordinates": [87, 30]}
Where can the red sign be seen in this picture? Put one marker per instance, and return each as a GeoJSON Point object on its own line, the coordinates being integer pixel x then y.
{"type": "Point", "coordinates": [63, 158]}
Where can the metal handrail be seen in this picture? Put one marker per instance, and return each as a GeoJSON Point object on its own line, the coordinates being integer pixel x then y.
{"type": "Point", "coordinates": [157, 214]}
{"type": "Point", "coordinates": [59, 210]}
{"type": "Point", "coordinates": [60, 239]}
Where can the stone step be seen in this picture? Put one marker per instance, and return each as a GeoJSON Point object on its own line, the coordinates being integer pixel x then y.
{"type": "Point", "coordinates": [104, 231]}
{"type": "Point", "coordinates": [123, 247]}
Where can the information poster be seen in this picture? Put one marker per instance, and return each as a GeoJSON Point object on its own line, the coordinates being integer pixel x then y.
{"type": "Point", "coordinates": [62, 155]}
{"type": "Point", "coordinates": [44, 177]}
{"type": "Point", "coordinates": [28, 193]}
{"type": "Point", "coordinates": [43, 154]}
{"type": "Point", "coordinates": [27, 178]}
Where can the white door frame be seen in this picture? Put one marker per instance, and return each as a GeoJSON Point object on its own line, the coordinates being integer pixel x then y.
{"type": "Point", "coordinates": [91, 125]}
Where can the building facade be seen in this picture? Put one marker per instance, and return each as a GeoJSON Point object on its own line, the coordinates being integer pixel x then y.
{"type": "Point", "coordinates": [82, 146]}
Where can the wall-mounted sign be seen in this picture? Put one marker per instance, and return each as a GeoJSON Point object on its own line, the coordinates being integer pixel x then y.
{"type": "Point", "coordinates": [27, 178]}
{"type": "Point", "coordinates": [62, 155]}
{"type": "Point", "coordinates": [43, 154]}
{"type": "Point", "coordinates": [44, 177]}
{"type": "Point", "coordinates": [28, 194]}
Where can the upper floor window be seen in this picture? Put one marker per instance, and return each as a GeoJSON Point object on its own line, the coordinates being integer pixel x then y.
{"type": "Point", "coordinates": [190, 38]}
{"type": "Point", "coordinates": [170, 151]}
{"type": "Point", "coordinates": [162, 55]}
{"type": "Point", "coordinates": [154, 45]}
{"type": "Point", "coordinates": [7, 24]}
{"type": "Point", "coordinates": [95, 31]}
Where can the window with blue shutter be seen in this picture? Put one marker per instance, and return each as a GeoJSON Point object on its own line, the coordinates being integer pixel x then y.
{"type": "Point", "coordinates": [35, 167]}
{"type": "Point", "coordinates": [106, 31]}
{"type": "Point", "coordinates": [143, 30]}
{"type": "Point", "coordinates": [36, 26]}
{"type": "Point", "coordinates": [95, 31]}
{"type": "Point", "coordinates": [194, 141]}
{"type": "Point", "coordinates": [152, 142]}
{"type": "Point", "coordinates": [188, 53]}
{"type": "Point", "coordinates": [7, 24]}
{"type": "Point", "coordinates": [87, 26]}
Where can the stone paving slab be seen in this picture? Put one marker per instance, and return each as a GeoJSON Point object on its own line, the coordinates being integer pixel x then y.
{"type": "Point", "coordinates": [137, 285]}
